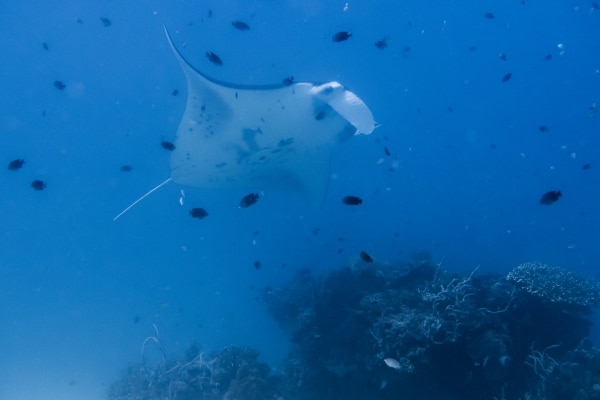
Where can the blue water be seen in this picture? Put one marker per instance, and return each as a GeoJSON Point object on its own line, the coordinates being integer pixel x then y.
{"type": "Point", "coordinates": [80, 292]}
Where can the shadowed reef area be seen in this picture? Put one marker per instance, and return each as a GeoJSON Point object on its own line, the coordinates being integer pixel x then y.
{"type": "Point", "coordinates": [407, 330]}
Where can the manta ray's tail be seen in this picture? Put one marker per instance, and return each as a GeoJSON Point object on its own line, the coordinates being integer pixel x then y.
{"type": "Point", "coordinates": [154, 189]}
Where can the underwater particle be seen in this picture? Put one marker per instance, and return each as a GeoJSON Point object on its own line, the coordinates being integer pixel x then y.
{"type": "Point", "coordinates": [213, 58]}
{"type": "Point", "coordinates": [585, 167]}
{"type": "Point", "coordinates": [15, 165]}
{"type": "Point", "coordinates": [543, 128]}
{"type": "Point", "coordinates": [126, 168]}
{"type": "Point", "coordinates": [507, 77]}
{"type": "Point", "coordinates": [366, 257]}
{"type": "Point", "coordinates": [341, 36]}
{"type": "Point", "coordinates": [105, 21]}
{"type": "Point", "coordinates": [288, 80]}
{"type": "Point", "coordinates": [45, 46]}
{"type": "Point", "coordinates": [489, 15]}
{"type": "Point", "coordinates": [249, 200]}
{"type": "Point", "coordinates": [59, 85]}
{"type": "Point", "coordinates": [257, 264]}
{"type": "Point", "coordinates": [352, 200]}
{"type": "Point", "coordinates": [175, 92]}
{"type": "Point", "coordinates": [38, 185]}
{"type": "Point", "coordinates": [382, 43]}
{"type": "Point", "coordinates": [198, 212]}
{"type": "Point", "coordinates": [240, 25]}
{"type": "Point", "coordinates": [550, 197]}
{"type": "Point", "coordinates": [167, 145]}
{"type": "Point", "coordinates": [392, 363]}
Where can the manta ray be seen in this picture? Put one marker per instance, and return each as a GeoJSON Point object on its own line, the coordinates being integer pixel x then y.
{"type": "Point", "coordinates": [261, 136]}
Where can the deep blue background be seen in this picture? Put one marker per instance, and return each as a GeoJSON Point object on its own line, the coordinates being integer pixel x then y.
{"type": "Point", "coordinates": [469, 166]}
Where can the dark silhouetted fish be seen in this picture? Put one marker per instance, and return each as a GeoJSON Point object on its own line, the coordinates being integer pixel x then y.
{"type": "Point", "coordinates": [489, 15]}
{"type": "Point", "coordinates": [382, 43]}
{"type": "Point", "coordinates": [249, 199]}
{"type": "Point", "coordinates": [45, 46]}
{"type": "Point", "coordinates": [288, 81]}
{"type": "Point", "coordinates": [59, 85]}
{"type": "Point", "coordinates": [167, 145]}
{"type": "Point", "coordinates": [38, 185]}
{"type": "Point", "coordinates": [550, 197]}
{"type": "Point", "coordinates": [366, 257]}
{"type": "Point", "coordinates": [126, 168]}
{"type": "Point", "coordinates": [543, 128]}
{"type": "Point", "coordinates": [175, 92]}
{"type": "Point", "coordinates": [257, 264]}
{"type": "Point", "coordinates": [105, 21]}
{"type": "Point", "coordinates": [586, 167]}
{"type": "Point", "coordinates": [507, 77]}
{"type": "Point", "coordinates": [341, 36]}
{"type": "Point", "coordinates": [240, 25]}
{"type": "Point", "coordinates": [213, 58]}
{"type": "Point", "coordinates": [16, 164]}
{"type": "Point", "coordinates": [352, 200]}
{"type": "Point", "coordinates": [198, 212]}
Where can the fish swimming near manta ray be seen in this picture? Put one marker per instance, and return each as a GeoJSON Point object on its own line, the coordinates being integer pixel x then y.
{"type": "Point", "coordinates": [230, 134]}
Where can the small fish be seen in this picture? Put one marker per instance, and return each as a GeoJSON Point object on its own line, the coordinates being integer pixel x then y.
{"type": "Point", "coordinates": [126, 168]}
{"type": "Point", "coordinates": [586, 167]}
{"type": "Point", "coordinates": [288, 81]}
{"type": "Point", "coordinates": [38, 185]}
{"type": "Point", "coordinates": [382, 43]}
{"type": "Point", "coordinates": [341, 36]}
{"type": "Point", "coordinates": [45, 46]}
{"type": "Point", "coordinates": [167, 145]}
{"type": "Point", "coordinates": [392, 363]}
{"type": "Point", "coordinates": [366, 257]}
{"type": "Point", "coordinates": [503, 56]}
{"type": "Point", "coordinates": [240, 25]}
{"type": "Point", "coordinates": [249, 200]}
{"type": "Point", "coordinates": [198, 212]}
{"type": "Point", "coordinates": [543, 128]}
{"type": "Point", "coordinates": [387, 151]}
{"type": "Point", "coordinates": [257, 264]}
{"type": "Point", "coordinates": [175, 92]}
{"type": "Point", "coordinates": [105, 21]}
{"type": "Point", "coordinates": [550, 197]}
{"type": "Point", "coordinates": [213, 58]}
{"type": "Point", "coordinates": [16, 164]}
{"type": "Point", "coordinates": [59, 85]}
{"type": "Point", "coordinates": [352, 200]}
{"type": "Point", "coordinates": [489, 15]}
{"type": "Point", "coordinates": [507, 77]}
{"type": "Point", "coordinates": [548, 57]}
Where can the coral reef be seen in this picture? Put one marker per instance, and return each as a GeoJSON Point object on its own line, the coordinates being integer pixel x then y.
{"type": "Point", "coordinates": [232, 373]}
{"type": "Point", "coordinates": [410, 330]}
{"type": "Point", "coordinates": [413, 331]}
{"type": "Point", "coordinates": [555, 284]}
